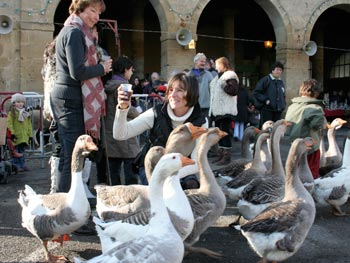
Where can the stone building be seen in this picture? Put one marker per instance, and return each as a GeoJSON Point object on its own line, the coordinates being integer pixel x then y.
{"type": "Point", "coordinates": [146, 32]}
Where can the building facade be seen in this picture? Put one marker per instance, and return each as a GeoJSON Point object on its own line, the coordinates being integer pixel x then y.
{"type": "Point", "coordinates": [155, 34]}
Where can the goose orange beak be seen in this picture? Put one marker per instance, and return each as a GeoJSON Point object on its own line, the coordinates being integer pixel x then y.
{"type": "Point", "coordinates": [186, 161]}
{"type": "Point", "coordinates": [222, 133]}
{"type": "Point", "coordinates": [90, 145]}
{"type": "Point", "coordinates": [195, 130]}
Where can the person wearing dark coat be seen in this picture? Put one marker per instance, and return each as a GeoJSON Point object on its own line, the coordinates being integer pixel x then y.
{"type": "Point", "coordinates": [269, 94]}
{"type": "Point", "coordinates": [241, 118]}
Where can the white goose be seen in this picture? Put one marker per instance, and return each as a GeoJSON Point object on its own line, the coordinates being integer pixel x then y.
{"type": "Point", "coordinates": [118, 202]}
{"type": "Point", "coordinates": [332, 158]}
{"type": "Point", "coordinates": [208, 202]}
{"type": "Point", "coordinates": [334, 188]}
{"type": "Point", "coordinates": [179, 209]}
{"type": "Point", "coordinates": [264, 190]}
{"type": "Point", "coordinates": [161, 243]}
{"type": "Point", "coordinates": [234, 188]}
{"type": "Point", "coordinates": [51, 216]}
{"type": "Point", "coordinates": [280, 230]}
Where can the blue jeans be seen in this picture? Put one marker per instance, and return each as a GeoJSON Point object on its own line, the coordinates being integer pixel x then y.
{"type": "Point", "coordinates": [238, 130]}
{"type": "Point", "coordinates": [19, 162]}
{"type": "Point", "coordinates": [115, 170]}
{"type": "Point", "coordinates": [70, 123]}
{"type": "Point", "coordinates": [142, 176]}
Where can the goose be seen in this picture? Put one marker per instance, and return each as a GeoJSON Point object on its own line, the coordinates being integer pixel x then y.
{"type": "Point", "coordinates": [279, 231]}
{"type": "Point", "coordinates": [50, 216]}
{"type": "Point", "coordinates": [237, 166]}
{"type": "Point", "coordinates": [119, 201]}
{"type": "Point", "coordinates": [234, 188]}
{"type": "Point", "coordinates": [179, 209]}
{"type": "Point", "coordinates": [208, 202]}
{"type": "Point", "coordinates": [333, 189]}
{"type": "Point", "coordinates": [332, 158]}
{"type": "Point", "coordinates": [264, 190]}
{"type": "Point", "coordinates": [161, 242]}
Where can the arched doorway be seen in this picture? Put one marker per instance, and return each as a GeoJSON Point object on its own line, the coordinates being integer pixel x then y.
{"type": "Point", "coordinates": [138, 28]}
{"type": "Point", "coordinates": [235, 34]}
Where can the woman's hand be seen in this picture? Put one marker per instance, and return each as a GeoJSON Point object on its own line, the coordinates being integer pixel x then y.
{"type": "Point", "coordinates": [124, 98]}
{"type": "Point", "coordinates": [107, 65]}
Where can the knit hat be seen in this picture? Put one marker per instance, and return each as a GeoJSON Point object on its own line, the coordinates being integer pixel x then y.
{"type": "Point", "coordinates": [18, 97]}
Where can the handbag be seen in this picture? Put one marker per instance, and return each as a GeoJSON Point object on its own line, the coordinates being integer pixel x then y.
{"type": "Point", "coordinates": [231, 87]}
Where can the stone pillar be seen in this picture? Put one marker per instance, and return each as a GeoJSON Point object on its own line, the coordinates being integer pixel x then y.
{"type": "Point", "coordinates": [296, 70]}
{"type": "Point", "coordinates": [229, 31]}
{"type": "Point", "coordinates": [137, 39]}
{"type": "Point", "coordinates": [180, 57]}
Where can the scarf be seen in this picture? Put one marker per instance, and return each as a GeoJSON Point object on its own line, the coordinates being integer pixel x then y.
{"type": "Point", "coordinates": [22, 114]}
{"type": "Point", "coordinates": [92, 89]}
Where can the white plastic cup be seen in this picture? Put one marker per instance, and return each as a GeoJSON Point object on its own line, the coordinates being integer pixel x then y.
{"type": "Point", "coordinates": [105, 57]}
{"type": "Point", "coordinates": [127, 88]}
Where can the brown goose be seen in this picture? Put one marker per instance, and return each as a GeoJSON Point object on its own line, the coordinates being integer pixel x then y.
{"type": "Point", "coordinates": [280, 230]}
{"type": "Point", "coordinates": [208, 202]}
{"type": "Point", "coordinates": [269, 188]}
{"type": "Point", "coordinates": [333, 156]}
{"type": "Point", "coordinates": [51, 216]}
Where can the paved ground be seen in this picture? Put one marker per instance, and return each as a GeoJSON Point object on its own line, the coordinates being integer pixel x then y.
{"type": "Point", "coordinates": [328, 240]}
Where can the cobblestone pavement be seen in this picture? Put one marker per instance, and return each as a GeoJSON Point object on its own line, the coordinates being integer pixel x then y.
{"type": "Point", "coordinates": [328, 240]}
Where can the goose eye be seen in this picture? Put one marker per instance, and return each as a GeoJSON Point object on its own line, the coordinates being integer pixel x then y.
{"type": "Point", "coordinates": [174, 157]}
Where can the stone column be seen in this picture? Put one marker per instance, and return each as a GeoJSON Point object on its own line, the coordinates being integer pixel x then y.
{"type": "Point", "coordinates": [229, 31]}
{"type": "Point", "coordinates": [137, 39]}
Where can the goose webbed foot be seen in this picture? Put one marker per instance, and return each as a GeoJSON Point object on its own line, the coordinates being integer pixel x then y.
{"type": "Point", "coordinates": [58, 259]}
{"type": "Point", "coordinates": [336, 210]}
{"type": "Point", "coordinates": [61, 239]}
{"type": "Point", "coordinates": [210, 253]}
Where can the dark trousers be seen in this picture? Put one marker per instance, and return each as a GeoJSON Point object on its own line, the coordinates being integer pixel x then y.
{"type": "Point", "coordinates": [115, 165]}
{"type": "Point", "coordinates": [70, 123]}
{"type": "Point", "coordinates": [224, 124]}
{"type": "Point", "coordinates": [266, 115]}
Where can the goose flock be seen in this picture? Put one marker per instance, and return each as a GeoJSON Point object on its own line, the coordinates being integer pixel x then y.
{"type": "Point", "coordinates": [160, 222]}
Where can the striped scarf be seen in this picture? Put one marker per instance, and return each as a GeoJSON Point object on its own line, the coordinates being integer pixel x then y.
{"type": "Point", "coordinates": [92, 89]}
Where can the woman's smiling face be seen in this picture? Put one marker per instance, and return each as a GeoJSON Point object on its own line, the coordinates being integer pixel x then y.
{"type": "Point", "coordinates": [91, 15]}
{"type": "Point", "coordinates": [177, 98]}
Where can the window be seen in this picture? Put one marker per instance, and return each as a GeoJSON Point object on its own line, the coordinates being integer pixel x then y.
{"type": "Point", "coordinates": [341, 67]}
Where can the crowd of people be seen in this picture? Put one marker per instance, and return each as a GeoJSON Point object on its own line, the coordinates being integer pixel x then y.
{"type": "Point", "coordinates": [86, 97]}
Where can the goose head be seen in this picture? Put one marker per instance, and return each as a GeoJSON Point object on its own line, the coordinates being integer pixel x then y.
{"type": "Point", "coordinates": [182, 138]}
{"type": "Point", "coordinates": [267, 125]}
{"type": "Point", "coordinates": [337, 123]}
{"type": "Point", "coordinates": [151, 159]}
{"type": "Point", "coordinates": [213, 135]}
{"type": "Point", "coordinates": [168, 165]}
{"type": "Point", "coordinates": [83, 146]}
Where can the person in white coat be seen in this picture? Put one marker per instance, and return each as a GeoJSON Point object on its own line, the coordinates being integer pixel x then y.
{"type": "Point", "coordinates": [223, 104]}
